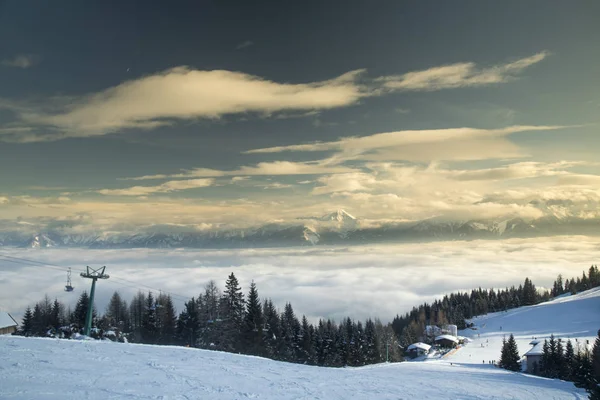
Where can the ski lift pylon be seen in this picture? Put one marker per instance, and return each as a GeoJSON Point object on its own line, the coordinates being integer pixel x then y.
{"type": "Point", "coordinates": [69, 287]}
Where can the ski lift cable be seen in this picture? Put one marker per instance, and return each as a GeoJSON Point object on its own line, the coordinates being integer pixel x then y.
{"type": "Point", "coordinates": [125, 282]}
{"type": "Point", "coordinates": [29, 264]}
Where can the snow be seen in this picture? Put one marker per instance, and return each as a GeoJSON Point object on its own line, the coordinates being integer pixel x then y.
{"type": "Point", "coordinates": [6, 320]}
{"type": "Point", "coordinates": [419, 345]}
{"type": "Point", "coordinates": [33, 368]}
{"type": "Point", "coordinates": [447, 337]}
{"type": "Point", "coordinates": [574, 317]}
{"type": "Point", "coordinates": [536, 350]}
{"type": "Point", "coordinates": [50, 369]}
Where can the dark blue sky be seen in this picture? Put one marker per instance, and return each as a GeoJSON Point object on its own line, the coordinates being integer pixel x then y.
{"type": "Point", "coordinates": [64, 62]}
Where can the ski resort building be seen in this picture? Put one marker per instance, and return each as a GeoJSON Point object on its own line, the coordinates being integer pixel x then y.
{"type": "Point", "coordinates": [418, 349]}
{"type": "Point", "coordinates": [448, 341]}
{"type": "Point", "coordinates": [8, 324]}
{"type": "Point", "coordinates": [534, 355]}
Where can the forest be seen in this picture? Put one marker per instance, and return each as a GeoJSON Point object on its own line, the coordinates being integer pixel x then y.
{"type": "Point", "coordinates": [229, 320]}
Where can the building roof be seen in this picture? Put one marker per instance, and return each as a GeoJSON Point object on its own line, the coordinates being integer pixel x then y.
{"type": "Point", "coordinates": [6, 320]}
{"type": "Point", "coordinates": [536, 350]}
{"type": "Point", "coordinates": [419, 345]}
{"type": "Point", "coordinates": [447, 337]}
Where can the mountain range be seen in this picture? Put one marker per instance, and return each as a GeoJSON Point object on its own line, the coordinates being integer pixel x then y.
{"type": "Point", "coordinates": [337, 228]}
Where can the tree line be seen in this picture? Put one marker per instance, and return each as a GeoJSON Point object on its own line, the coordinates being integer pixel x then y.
{"type": "Point", "coordinates": [232, 321]}
{"type": "Point", "coordinates": [560, 360]}
{"type": "Point", "coordinates": [456, 308]}
{"type": "Point", "coordinates": [227, 321]}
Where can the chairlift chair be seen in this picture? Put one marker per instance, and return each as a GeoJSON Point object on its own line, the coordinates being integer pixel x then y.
{"type": "Point", "coordinates": [69, 287]}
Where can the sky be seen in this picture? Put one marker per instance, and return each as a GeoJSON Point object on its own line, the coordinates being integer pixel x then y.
{"type": "Point", "coordinates": [221, 114]}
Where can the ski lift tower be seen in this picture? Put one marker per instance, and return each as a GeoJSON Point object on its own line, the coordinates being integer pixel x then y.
{"type": "Point", "coordinates": [94, 275]}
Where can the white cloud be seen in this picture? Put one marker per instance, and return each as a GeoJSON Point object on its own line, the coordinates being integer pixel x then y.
{"type": "Point", "coordinates": [21, 61]}
{"type": "Point", "coordinates": [262, 168]}
{"type": "Point", "coordinates": [458, 75]}
{"type": "Point", "coordinates": [183, 93]}
{"type": "Point", "coordinates": [421, 145]}
{"type": "Point", "coordinates": [383, 280]}
{"type": "Point", "coordinates": [170, 186]}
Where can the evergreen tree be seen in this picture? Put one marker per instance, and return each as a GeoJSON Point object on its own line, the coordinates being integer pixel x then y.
{"type": "Point", "coordinates": [232, 306]}
{"type": "Point", "coordinates": [509, 358]}
{"type": "Point", "coordinates": [136, 315]}
{"type": "Point", "coordinates": [210, 322]}
{"type": "Point", "coordinates": [569, 359]}
{"type": "Point", "coordinates": [38, 321]}
{"type": "Point", "coordinates": [188, 327]}
{"type": "Point", "coordinates": [546, 361]}
{"type": "Point", "coordinates": [55, 314]}
{"type": "Point", "coordinates": [149, 321]}
{"type": "Point", "coordinates": [253, 324]}
{"type": "Point", "coordinates": [166, 319]}
{"type": "Point", "coordinates": [290, 328]}
{"type": "Point", "coordinates": [582, 369]}
{"type": "Point", "coordinates": [595, 381]}
{"type": "Point", "coordinates": [372, 343]}
{"type": "Point", "coordinates": [27, 325]}
{"type": "Point", "coordinates": [117, 313]}
{"type": "Point", "coordinates": [272, 331]}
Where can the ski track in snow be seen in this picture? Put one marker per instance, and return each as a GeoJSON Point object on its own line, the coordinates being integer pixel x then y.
{"type": "Point", "coordinates": [35, 368]}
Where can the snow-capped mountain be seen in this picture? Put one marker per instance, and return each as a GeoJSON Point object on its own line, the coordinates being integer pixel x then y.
{"type": "Point", "coordinates": [336, 228]}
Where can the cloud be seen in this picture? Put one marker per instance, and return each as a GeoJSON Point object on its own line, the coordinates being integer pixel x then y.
{"type": "Point", "coordinates": [275, 185]}
{"type": "Point", "coordinates": [245, 44]}
{"type": "Point", "coordinates": [421, 145]}
{"type": "Point", "coordinates": [21, 61]}
{"type": "Point", "coordinates": [384, 280]}
{"type": "Point", "coordinates": [170, 186]}
{"type": "Point", "coordinates": [262, 168]}
{"type": "Point", "coordinates": [458, 75]}
{"type": "Point", "coordinates": [185, 94]}
{"type": "Point", "coordinates": [580, 179]}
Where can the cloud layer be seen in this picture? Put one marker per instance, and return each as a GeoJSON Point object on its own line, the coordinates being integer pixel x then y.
{"type": "Point", "coordinates": [360, 282]}
{"type": "Point", "coordinates": [459, 75]}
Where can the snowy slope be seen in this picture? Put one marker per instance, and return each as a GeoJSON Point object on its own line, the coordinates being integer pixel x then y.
{"type": "Point", "coordinates": [575, 317]}
{"type": "Point", "coordinates": [52, 369]}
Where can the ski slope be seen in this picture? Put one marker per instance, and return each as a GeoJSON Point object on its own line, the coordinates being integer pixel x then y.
{"type": "Point", "coordinates": [574, 317]}
{"type": "Point", "coordinates": [33, 368]}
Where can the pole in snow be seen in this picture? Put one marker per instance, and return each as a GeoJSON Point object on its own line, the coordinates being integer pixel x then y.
{"type": "Point", "coordinates": [94, 275]}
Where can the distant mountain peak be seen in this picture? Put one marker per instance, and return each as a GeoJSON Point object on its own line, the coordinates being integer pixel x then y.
{"type": "Point", "coordinates": [339, 216]}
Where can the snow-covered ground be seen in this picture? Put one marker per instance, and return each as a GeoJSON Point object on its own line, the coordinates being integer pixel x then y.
{"type": "Point", "coordinates": [574, 317]}
{"type": "Point", "coordinates": [51, 369]}
{"type": "Point", "coordinates": [60, 369]}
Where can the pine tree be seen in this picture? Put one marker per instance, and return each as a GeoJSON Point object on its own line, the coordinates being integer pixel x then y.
{"type": "Point", "coordinates": [272, 331]}
{"type": "Point", "coordinates": [509, 358]}
{"type": "Point", "coordinates": [546, 361]}
{"type": "Point", "coordinates": [372, 343]}
{"type": "Point", "coordinates": [166, 319]}
{"type": "Point", "coordinates": [27, 325]}
{"type": "Point", "coordinates": [149, 321]}
{"type": "Point", "coordinates": [569, 359]}
{"type": "Point", "coordinates": [595, 381]}
{"type": "Point", "coordinates": [232, 306]}
{"type": "Point", "coordinates": [188, 325]}
{"type": "Point", "coordinates": [253, 324]}
{"type": "Point", "coordinates": [136, 314]}
{"type": "Point", "coordinates": [116, 312]}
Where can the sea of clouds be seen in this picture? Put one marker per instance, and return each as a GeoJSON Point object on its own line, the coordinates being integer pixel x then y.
{"type": "Point", "coordinates": [363, 281]}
